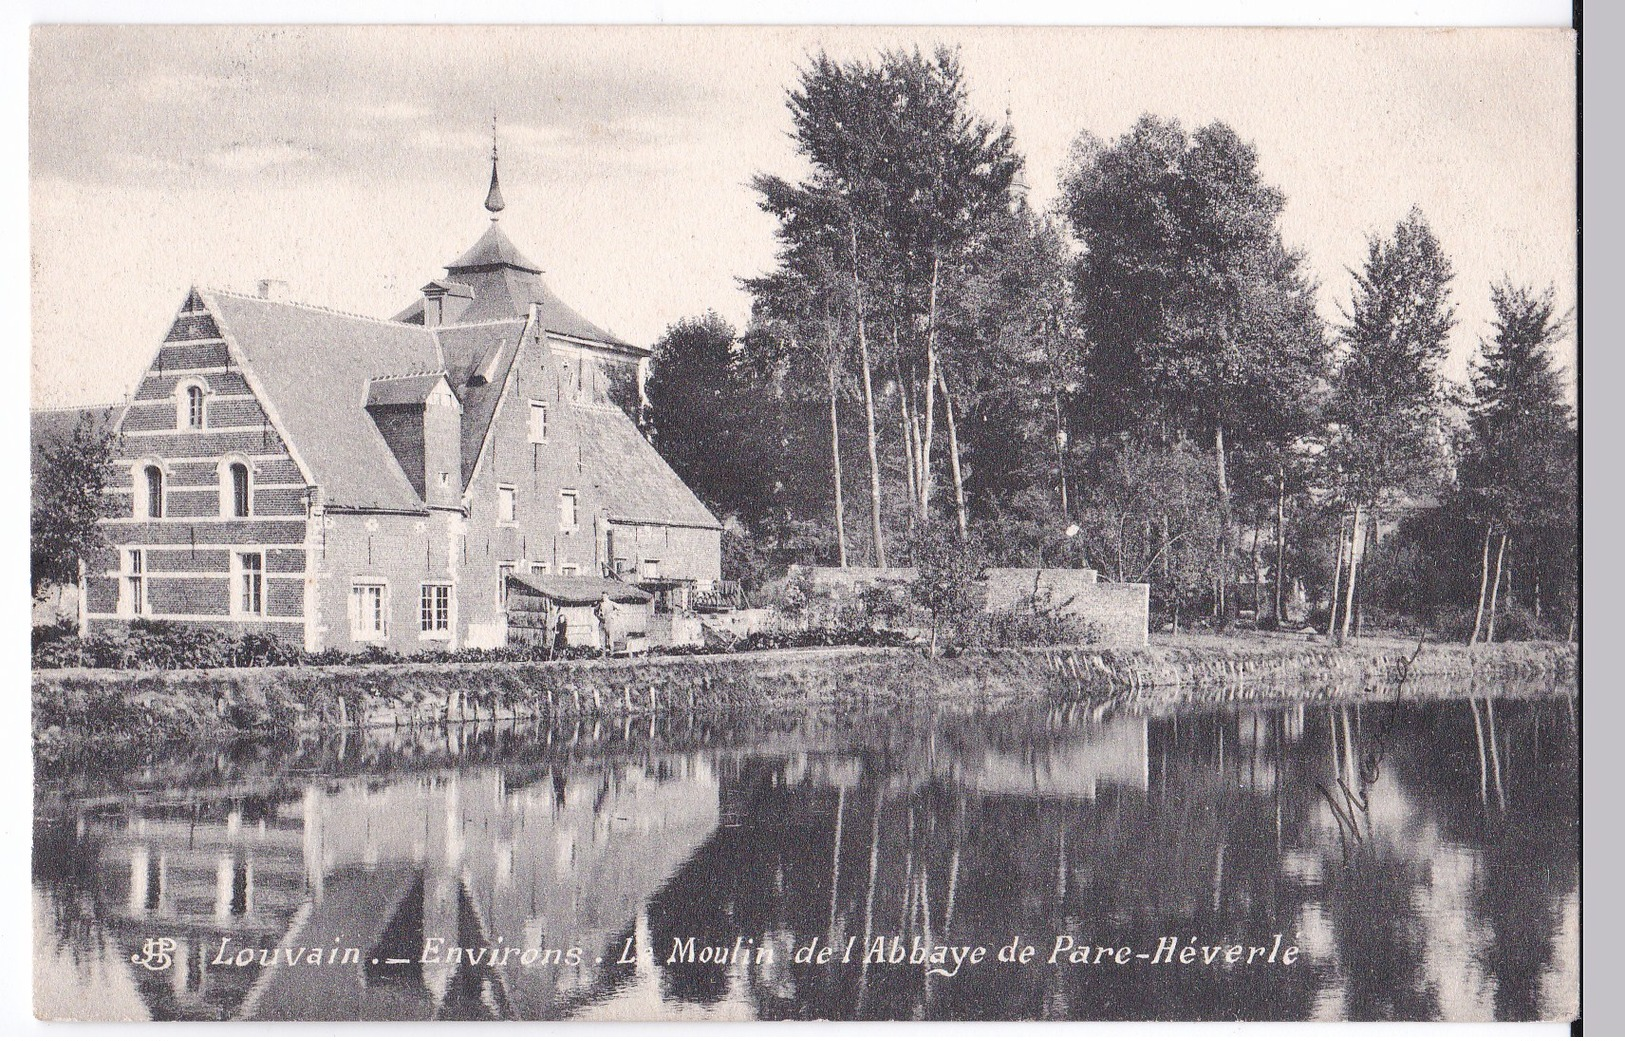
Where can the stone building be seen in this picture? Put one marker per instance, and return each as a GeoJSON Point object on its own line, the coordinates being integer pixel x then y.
{"type": "Point", "coordinates": [343, 481]}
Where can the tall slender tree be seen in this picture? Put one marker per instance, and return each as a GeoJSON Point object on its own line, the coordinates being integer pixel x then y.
{"type": "Point", "coordinates": [1518, 472]}
{"type": "Point", "coordinates": [1386, 401]}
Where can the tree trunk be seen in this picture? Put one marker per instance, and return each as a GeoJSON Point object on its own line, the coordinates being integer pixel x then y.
{"type": "Point", "coordinates": [868, 408]}
{"type": "Point", "coordinates": [1495, 589]}
{"type": "Point", "coordinates": [1354, 570]}
{"type": "Point", "coordinates": [1279, 595]}
{"type": "Point", "coordinates": [930, 390]}
{"type": "Point", "coordinates": [909, 469]}
{"type": "Point", "coordinates": [953, 451]}
{"type": "Point", "coordinates": [1337, 579]}
{"type": "Point", "coordinates": [1483, 587]}
{"type": "Point", "coordinates": [1225, 533]}
{"type": "Point", "coordinates": [1258, 575]}
{"type": "Point", "coordinates": [835, 458]}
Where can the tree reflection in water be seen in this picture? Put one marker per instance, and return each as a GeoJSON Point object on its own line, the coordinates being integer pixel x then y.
{"type": "Point", "coordinates": [1441, 885]}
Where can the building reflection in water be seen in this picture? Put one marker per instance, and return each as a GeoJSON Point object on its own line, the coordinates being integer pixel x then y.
{"type": "Point", "coordinates": [1425, 862]}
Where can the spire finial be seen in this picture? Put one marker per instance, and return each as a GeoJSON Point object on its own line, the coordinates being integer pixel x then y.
{"type": "Point", "coordinates": [493, 198]}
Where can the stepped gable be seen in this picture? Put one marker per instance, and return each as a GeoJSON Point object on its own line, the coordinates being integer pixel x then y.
{"type": "Point", "coordinates": [633, 481]}
{"type": "Point", "coordinates": [315, 366]}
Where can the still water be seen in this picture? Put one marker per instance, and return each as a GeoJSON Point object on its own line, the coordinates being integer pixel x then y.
{"type": "Point", "coordinates": [1419, 862]}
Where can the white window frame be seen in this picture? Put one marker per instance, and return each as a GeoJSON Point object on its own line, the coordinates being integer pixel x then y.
{"type": "Point", "coordinates": [135, 584]}
{"type": "Point", "coordinates": [183, 405]}
{"type": "Point", "coordinates": [369, 634]}
{"type": "Point", "coordinates": [510, 494]}
{"type": "Point", "coordinates": [240, 576]}
{"type": "Point", "coordinates": [537, 431]}
{"type": "Point", "coordinates": [141, 495]}
{"type": "Point", "coordinates": [428, 612]}
{"type": "Point", "coordinates": [228, 488]}
{"type": "Point", "coordinates": [649, 567]}
{"type": "Point", "coordinates": [573, 497]}
{"type": "Point", "coordinates": [568, 570]}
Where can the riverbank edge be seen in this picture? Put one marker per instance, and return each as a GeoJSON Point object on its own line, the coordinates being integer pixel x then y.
{"type": "Point", "coordinates": [71, 706]}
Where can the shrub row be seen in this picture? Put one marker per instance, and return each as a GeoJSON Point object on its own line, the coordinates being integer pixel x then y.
{"type": "Point", "coordinates": [169, 645]}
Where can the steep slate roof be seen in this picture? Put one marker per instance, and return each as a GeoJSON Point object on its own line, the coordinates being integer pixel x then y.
{"type": "Point", "coordinates": [494, 249]}
{"type": "Point", "coordinates": [51, 426]}
{"type": "Point", "coordinates": [308, 360]}
{"type": "Point", "coordinates": [633, 481]}
{"type": "Point", "coordinates": [573, 589]}
{"type": "Point", "coordinates": [314, 365]}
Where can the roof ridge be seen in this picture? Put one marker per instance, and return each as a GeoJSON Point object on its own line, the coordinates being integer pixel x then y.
{"type": "Point", "coordinates": [408, 375]}
{"type": "Point", "coordinates": [77, 408]}
{"type": "Point", "coordinates": [313, 307]}
{"type": "Point", "coordinates": [475, 325]}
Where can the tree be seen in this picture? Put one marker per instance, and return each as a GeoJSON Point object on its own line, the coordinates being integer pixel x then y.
{"type": "Point", "coordinates": [69, 476]}
{"type": "Point", "coordinates": [949, 565]}
{"type": "Point", "coordinates": [903, 177]}
{"type": "Point", "coordinates": [694, 409]}
{"type": "Point", "coordinates": [1386, 401]}
{"type": "Point", "coordinates": [1518, 472]}
{"type": "Point", "coordinates": [1191, 301]}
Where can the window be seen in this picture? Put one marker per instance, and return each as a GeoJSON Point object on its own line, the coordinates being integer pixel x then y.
{"type": "Point", "coordinates": [507, 505]}
{"type": "Point", "coordinates": [568, 569]}
{"type": "Point", "coordinates": [135, 583]}
{"type": "Point", "coordinates": [434, 610]}
{"type": "Point", "coordinates": [650, 568]}
{"type": "Point", "coordinates": [538, 422]}
{"type": "Point", "coordinates": [248, 582]}
{"type": "Point", "coordinates": [369, 611]}
{"type": "Point", "coordinates": [235, 496]}
{"type": "Point", "coordinates": [153, 484]}
{"type": "Point", "coordinates": [189, 399]}
{"type": "Point", "coordinates": [503, 571]}
{"type": "Point", "coordinates": [569, 515]}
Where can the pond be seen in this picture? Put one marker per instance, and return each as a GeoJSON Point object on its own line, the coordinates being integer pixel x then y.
{"type": "Point", "coordinates": [1321, 860]}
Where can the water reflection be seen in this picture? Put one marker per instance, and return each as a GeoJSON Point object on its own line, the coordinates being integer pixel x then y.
{"type": "Point", "coordinates": [1423, 859]}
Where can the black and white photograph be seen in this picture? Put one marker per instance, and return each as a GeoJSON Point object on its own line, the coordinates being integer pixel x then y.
{"type": "Point", "coordinates": [785, 522]}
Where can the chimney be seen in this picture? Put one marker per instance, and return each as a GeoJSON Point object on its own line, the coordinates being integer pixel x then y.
{"type": "Point", "coordinates": [273, 289]}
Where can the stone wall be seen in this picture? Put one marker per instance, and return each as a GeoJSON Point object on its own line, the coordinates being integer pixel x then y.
{"type": "Point", "coordinates": [1116, 613]}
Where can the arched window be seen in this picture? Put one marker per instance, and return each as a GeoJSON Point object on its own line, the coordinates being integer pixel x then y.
{"type": "Point", "coordinates": [238, 476]}
{"type": "Point", "coordinates": [154, 478]}
{"type": "Point", "coordinates": [189, 407]}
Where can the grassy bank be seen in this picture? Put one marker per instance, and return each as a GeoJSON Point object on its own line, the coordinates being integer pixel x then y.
{"type": "Point", "coordinates": [72, 705]}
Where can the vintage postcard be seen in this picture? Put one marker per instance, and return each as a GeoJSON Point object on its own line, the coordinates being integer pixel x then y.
{"type": "Point", "coordinates": [786, 523]}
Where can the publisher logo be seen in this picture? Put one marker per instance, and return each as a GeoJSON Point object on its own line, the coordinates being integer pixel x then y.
{"type": "Point", "coordinates": [155, 954]}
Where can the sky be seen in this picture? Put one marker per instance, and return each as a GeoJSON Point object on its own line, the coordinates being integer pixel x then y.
{"type": "Point", "coordinates": [351, 163]}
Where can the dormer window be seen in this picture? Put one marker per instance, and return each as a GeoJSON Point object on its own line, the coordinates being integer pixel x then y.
{"type": "Point", "coordinates": [189, 405]}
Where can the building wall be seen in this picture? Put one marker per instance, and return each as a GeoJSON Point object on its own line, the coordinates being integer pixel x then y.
{"type": "Point", "coordinates": [402, 552]}
{"type": "Point", "coordinates": [188, 552]}
{"type": "Point", "coordinates": [677, 552]}
{"type": "Point", "coordinates": [538, 473]}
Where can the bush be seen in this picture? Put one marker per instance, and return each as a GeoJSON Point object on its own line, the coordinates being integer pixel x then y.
{"type": "Point", "coordinates": [168, 645]}
{"type": "Point", "coordinates": [1027, 629]}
